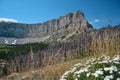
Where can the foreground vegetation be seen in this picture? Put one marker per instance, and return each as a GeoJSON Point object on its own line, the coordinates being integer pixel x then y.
{"type": "Point", "coordinates": [48, 61]}
{"type": "Point", "coordinates": [51, 72]}
{"type": "Point", "coordinates": [10, 51]}
{"type": "Point", "coordinates": [102, 68]}
{"type": "Point", "coordinates": [89, 68]}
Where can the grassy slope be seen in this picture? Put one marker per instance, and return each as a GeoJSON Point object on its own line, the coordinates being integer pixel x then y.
{"type": "Point", "coordinates": [52, 72]}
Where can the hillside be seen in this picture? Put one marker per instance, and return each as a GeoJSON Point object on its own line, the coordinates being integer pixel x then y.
{"type": "Point", "coordinates": [27, 33]}
{"type": "Point", "coordinates": [72, 38]}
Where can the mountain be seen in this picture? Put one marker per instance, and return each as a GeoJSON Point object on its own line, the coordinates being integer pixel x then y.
{"type": "Point", "coordinates": [27, 33]}
{"type": "Point", "coordinates": [67, 38]}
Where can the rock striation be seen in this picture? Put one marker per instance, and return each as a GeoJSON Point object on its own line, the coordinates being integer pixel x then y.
{"type": "Point", "coordinates": [67, 23]}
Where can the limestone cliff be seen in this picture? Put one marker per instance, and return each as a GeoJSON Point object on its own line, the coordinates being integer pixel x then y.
{"type": "Point", "coordinates": [67, 23]}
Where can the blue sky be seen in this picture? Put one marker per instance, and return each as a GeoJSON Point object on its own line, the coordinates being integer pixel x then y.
{"type": "Point", "coordinates": [98, 12]}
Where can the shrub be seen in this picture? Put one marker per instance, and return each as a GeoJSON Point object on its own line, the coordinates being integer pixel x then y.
{"type": "Point", "coordinates": [102, 68]}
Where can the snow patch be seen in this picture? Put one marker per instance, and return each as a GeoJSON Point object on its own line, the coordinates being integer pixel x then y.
{"type": "Point", "coordinates": [6, 42]}
{"type": "Point", "coordinates": [14, 42]}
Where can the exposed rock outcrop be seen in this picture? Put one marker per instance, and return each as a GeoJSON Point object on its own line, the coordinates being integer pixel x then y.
{"type": "Point", "coordinates": [67, 23]}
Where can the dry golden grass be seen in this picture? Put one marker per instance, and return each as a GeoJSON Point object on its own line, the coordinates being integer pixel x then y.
{"type": "Point", "coordinates": [52, 72]}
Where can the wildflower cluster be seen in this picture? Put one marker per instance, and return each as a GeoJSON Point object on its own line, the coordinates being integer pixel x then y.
{"type": "Point", "coordinates": [102, 68]}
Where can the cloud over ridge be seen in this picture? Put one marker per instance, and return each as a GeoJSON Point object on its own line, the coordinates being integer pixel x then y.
{"type": "Point", "coordinates": [8, 20]}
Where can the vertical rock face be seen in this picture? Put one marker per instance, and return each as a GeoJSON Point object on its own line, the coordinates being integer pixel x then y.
{"type": "Point", "coordinates": [69, 22]}
{"type": "Point", "coordinates": [66, 23]}
{"type": "Point", "coordinates": [73, 21]}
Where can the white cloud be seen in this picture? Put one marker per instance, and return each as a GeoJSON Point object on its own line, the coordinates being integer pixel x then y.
{"type": "Point", "coordinates": [94, 21]}
{"type": "Point", "coordinates": [8, 20]}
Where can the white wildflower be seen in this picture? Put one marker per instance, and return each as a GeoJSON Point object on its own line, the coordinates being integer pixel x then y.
{"type": "Point", "coordinates": [108, 77]}
{"type": "Point", "coordinates": [99, 72]}
{"type": "Point", "coordinates": [106, 58]}
{"type": "Point", "coordinates": [111, 69]}
{"type": "Point", "coordinates": [66, 74]}
{"type": "Point", "coordinates": [118, 79]}
{"type": "Point", "coordinates": [88, 74]}
{"type": "Point", "coordinates": [93, 59]}
{"type": "Point", "coordinates": [116, 58]}
{"type": "Point", "coordinates": [119, 72]}
{"type": "Point", "coordinates": [116, 62]}
{"type": "Point", "coordinates": [88, 66]}
{"type": "Point", "coordinates": [90, 60]}
{"type": "Point", "coordinates": [77, 65]}
{"type": "Point", "coordinates": [76, 78]}
{"type": "Point", "coordinates": [111, 77]}
{"type": "Point", "coordinates": [106, 69]}
{"type": "Point", "coordinates": [81, 70]}
{"type": "Point", "coordinates": [86, 69]}
{"type": "Point", "coordinates": [78, 75]}
{"type": "Point", "coordinates": [105, 61]}
{"type": "Point", "coordinates": [95, 74]}
{"type": "Point", "coordinates": [73, 69]}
